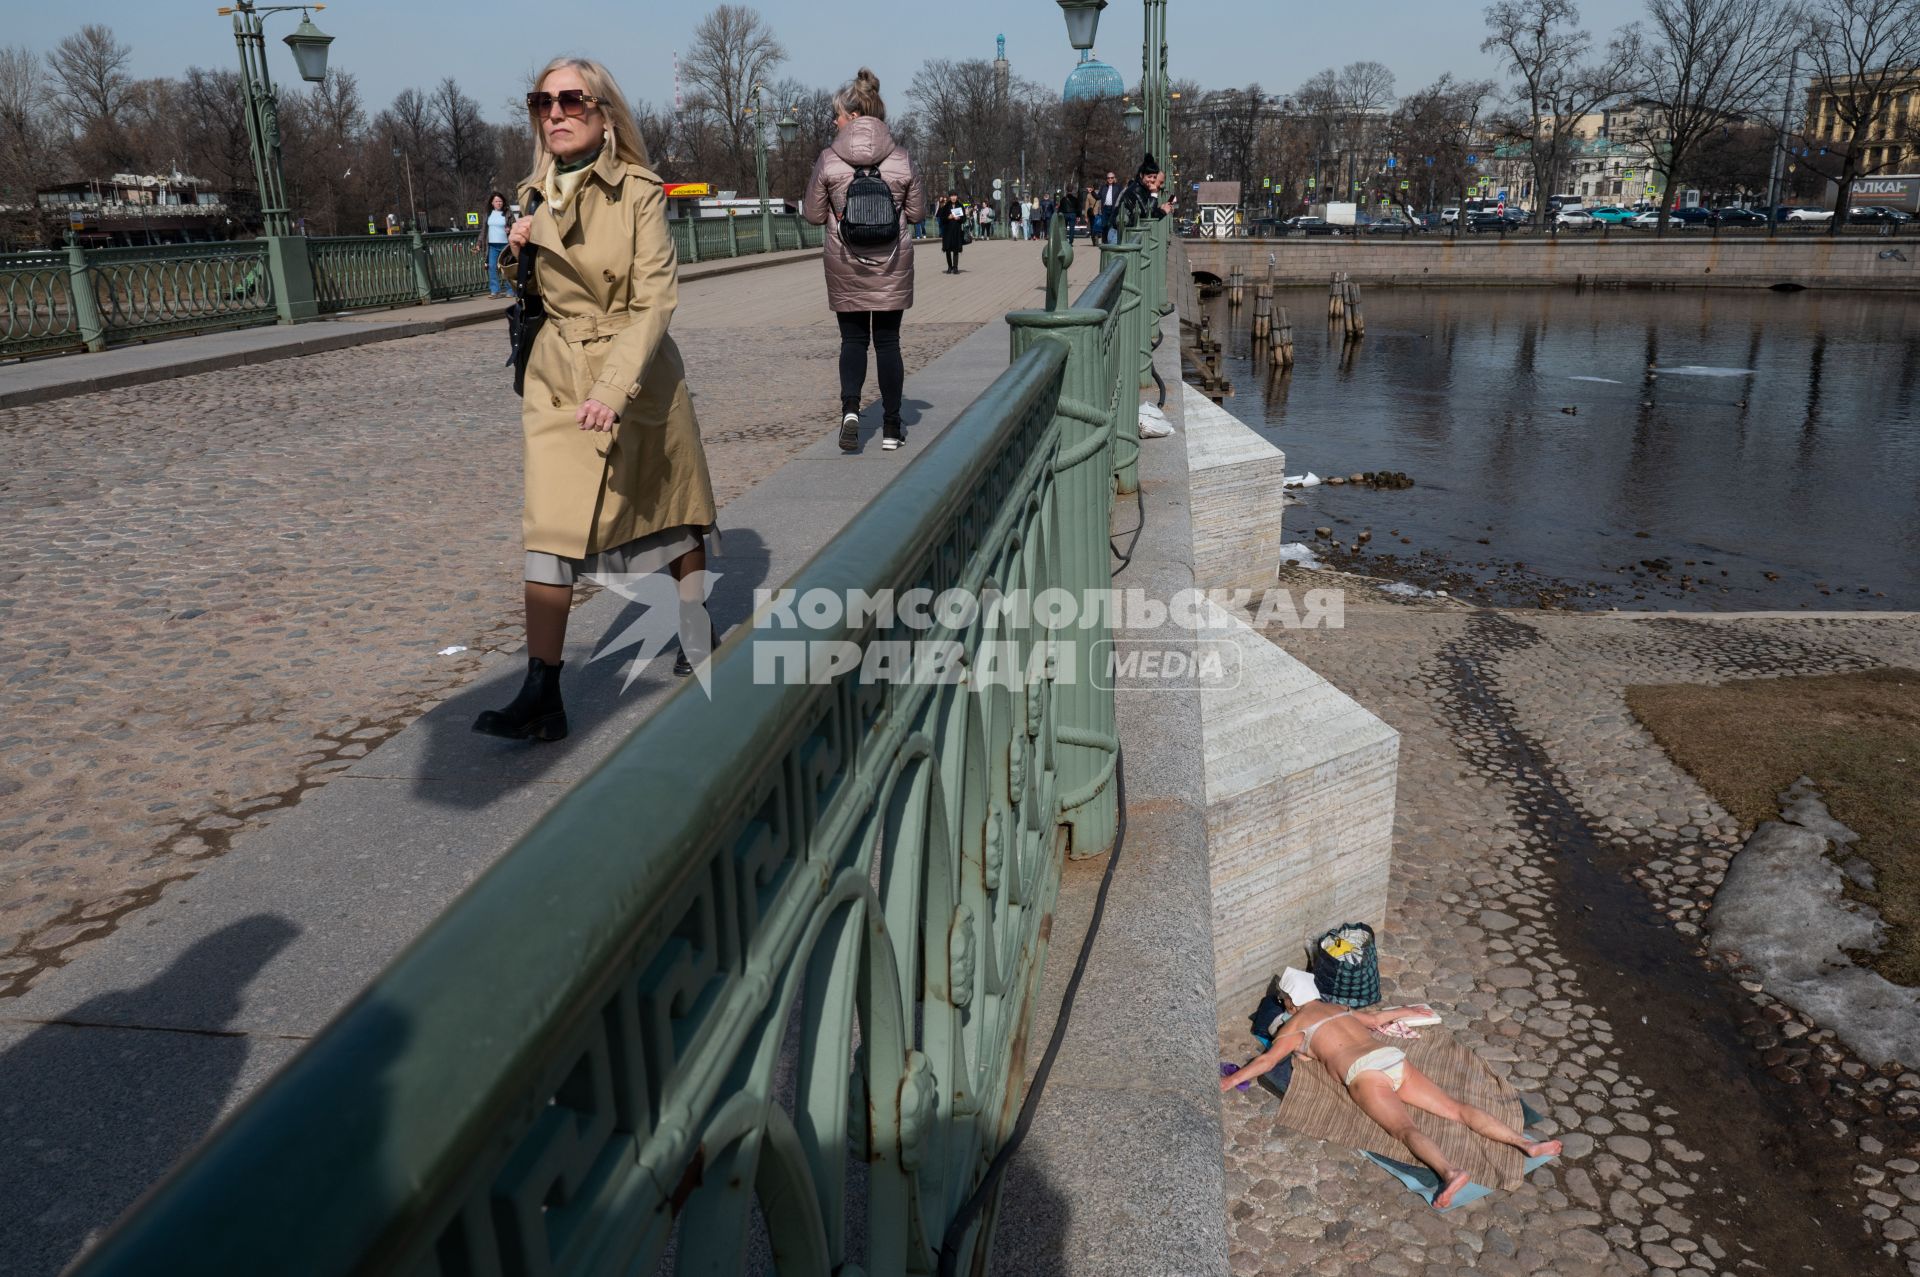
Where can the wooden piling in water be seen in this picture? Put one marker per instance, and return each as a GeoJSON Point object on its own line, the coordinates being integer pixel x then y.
{"type": "Point", "coordinates": [1262, 311]}
{"type": "Point", "coordinates": [1283, 341]}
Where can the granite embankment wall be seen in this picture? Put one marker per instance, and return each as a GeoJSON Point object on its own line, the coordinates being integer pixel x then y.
{"type": "Point", "coordinates": [1619, 260]}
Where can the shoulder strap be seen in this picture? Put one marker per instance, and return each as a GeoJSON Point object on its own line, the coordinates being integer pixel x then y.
{"type": "Point", "coordinates": [525, 276]}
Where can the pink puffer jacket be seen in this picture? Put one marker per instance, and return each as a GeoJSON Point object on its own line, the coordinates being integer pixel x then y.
{"type": "Point", "coordinates": [876, 279]}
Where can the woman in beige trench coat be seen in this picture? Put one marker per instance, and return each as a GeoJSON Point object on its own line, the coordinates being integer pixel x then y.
{"type": "Point", "coordinates": [616, 480]}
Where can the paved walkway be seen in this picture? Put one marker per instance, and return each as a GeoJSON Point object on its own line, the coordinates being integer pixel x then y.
{"type": "Point", "coordinates": [247, 618]}
{"type": "Point", "coordinates": [1551, 872]}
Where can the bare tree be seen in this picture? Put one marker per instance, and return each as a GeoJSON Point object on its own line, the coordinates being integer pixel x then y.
{"type": "Point", "coordinates": [1863, 54]}
{"type": "Point", "coordinates": [733, 49]}
{"type": "Point", "coordinates": [92, 68]}
{"type": "Point", "coordinates": [28, 154]}
{"type": "Point", "coordinates": [1540, 44]}
{"type": "Point", "coordinates": [213, 137]}
{"type": "Point", "coordinates": [466, 144]}
{"type": "Point", "coordinates": [1433, 131]}
{"type": "Point", "coordinates": [1706, 64]}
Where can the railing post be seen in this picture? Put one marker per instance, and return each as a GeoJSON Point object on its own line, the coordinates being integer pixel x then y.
{"type": "Point", "coordinates": [422, 269]}
{"type": "Point", "coordinates": [1135, 335]}
{"type": "Point", "coordinates": [290, 273]}
{"type": "Point", "coordinates": [86, 304]}
{"type": "Point", "coordinates": [693, 239]}
{"type": "Point", "coordinates": [1087, 745]}
{"type": "Point", "coordinates": [733, 234]}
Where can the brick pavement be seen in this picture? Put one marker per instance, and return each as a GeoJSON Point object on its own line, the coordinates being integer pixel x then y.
{"type": "Point", "coordinates": [218, 591]}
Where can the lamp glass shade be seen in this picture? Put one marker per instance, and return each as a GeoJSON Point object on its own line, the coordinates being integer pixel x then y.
{"type": "Point", "coordinates": [1083, 17]}
{"type": "Point", "coordinates": [1133, 117]}
{"type": "Point", "coordinates": [309, 45]}
{"type": "Point", "coordinates": [788, 126]}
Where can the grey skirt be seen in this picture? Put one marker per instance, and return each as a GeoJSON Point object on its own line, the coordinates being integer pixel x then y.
{"type": "Point", "coordinates": [649, 553]}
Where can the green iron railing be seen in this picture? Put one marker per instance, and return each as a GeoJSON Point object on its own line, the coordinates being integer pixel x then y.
{"type": "Point", "coordinates": [88, 299]}
{"type": "Point", "coordinates": [352, 272]}
{"type": "Point", "coordinates": [767, 972]}
{"type": "Point", "coordinates": [171, 290]}
{"type": "Point", "coordinates": [37, 290]}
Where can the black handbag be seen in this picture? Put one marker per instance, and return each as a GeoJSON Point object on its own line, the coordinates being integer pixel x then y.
{"type": "Point", "coordinates": [528, 312]}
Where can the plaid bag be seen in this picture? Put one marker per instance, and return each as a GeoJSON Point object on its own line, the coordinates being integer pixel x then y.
{"type": "Point", "coordinates": [1351, 984]}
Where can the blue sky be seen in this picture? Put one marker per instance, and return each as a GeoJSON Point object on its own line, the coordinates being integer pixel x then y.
{"type": "Point", "coordinates": [391, 44]}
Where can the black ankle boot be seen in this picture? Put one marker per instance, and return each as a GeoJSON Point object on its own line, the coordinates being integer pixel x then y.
{"type": "Point", "coordinates": [536, 713]}
{"type": "Point", "coordinates": [683, 664]}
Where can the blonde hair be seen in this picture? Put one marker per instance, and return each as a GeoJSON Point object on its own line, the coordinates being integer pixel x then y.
{"type": "Point", "coordinates": [622, 132]}
{"type": "Point", "coordinates": [860, 96]}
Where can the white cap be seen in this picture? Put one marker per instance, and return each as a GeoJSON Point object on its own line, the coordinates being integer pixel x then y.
{"type": "Point", "coordinates": [1299, 987]}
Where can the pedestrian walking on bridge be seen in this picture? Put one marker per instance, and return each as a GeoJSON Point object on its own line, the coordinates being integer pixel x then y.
{"type": "Point", "coordinates": [866, 191]}
{"type": "Point", "coordinates": [616, 479]}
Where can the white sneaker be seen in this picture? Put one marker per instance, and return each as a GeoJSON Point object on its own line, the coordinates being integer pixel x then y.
{"type": "Point", "coordinates": [850, 432]}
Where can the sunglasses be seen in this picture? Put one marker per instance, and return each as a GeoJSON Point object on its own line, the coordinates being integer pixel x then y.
{"type": "Point", "coordinates": [573, 102]}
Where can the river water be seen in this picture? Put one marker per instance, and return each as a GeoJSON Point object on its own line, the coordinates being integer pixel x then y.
{"type": "Point", "coordinates": [1726, 451]}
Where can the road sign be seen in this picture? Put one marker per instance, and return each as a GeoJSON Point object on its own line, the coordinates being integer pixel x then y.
{"type": "Point", "coordinates": [996, 183]}
{"type": "Point", "coordinates": [1405, 184]}
{"type": "Point", "coordinates": [1391, 161]}
{"type": "Point", "coordinates": [370, 226]}
{"type": "Point", "coordinates": [1266, 183]}
{"type": "Point", "coordinates": [1311, 181]}
{"type": "Point", "coordinates": [473, 219]}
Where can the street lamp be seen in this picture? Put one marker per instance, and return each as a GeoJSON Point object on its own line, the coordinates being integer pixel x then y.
{"type": "Point", "coordinates": [758, 112]}
{"type": "Point", "coordinates": [287, 263]}
{"type": "Point", "coordinates": [1082, 16]}
{"type": "Point", "coordinates": [261, 103]}
{"type": "Point", "coordinates": [1131, 117]}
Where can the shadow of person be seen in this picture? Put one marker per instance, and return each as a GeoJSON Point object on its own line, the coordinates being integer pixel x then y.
{"type": "Point", "coordinates": [911, 410]}
{"type": "Point", "coordinates": [97, 1103]}
{"type": "Point", "coordinates": [596, 687]}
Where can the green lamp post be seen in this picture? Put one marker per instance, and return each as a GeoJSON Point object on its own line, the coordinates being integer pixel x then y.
{"type": "Point", "coordinates": [287, 262]}
{"type": "Point", "coordinates": [758, 111]}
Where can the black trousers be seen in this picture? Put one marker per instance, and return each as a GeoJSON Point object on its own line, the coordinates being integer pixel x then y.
{"type": "Point", "coordinates": [953, 259]}
{"type": "Point", "coordinates": [882, 329]}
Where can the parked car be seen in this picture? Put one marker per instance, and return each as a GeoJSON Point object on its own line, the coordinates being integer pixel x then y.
{"type": "Point", "coordinates": [1304, 225]}
{"type": "Point", "coordinates": [1877, 215]}
{"type": "Point", "coordinates": [1449, 216]}
{"type": "Point", "coordinates": [1691, 217]}
{"type": "Point", "coordinates": [1393, 226]}
{"type": "Point", "coordinates": [1739, 217]}
{"type": "Point", "coordinates": [1809, 215]}
{"type": "Point", "coordinates": [1573, 218]}
{"type": "Point", "coordinates": [1611, 214]}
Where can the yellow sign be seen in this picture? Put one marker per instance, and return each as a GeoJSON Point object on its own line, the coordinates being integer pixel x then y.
{"type": "Point", "coordinates": [473, 219]}
{"type": "Point", "coordinates": [688, 190]}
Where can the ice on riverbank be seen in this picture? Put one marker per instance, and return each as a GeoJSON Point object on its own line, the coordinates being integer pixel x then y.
{"type": "Point", "coordinates": [1783, 909]}
{"type": "Point", "coordinates": [1300, 554]}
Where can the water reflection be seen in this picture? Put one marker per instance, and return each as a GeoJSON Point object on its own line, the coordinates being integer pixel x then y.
{"type": "Point", "coordinates": [1767, 445]}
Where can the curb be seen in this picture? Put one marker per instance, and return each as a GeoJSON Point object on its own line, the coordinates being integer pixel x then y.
{"type": "Point", "coordinates": [358, 331]}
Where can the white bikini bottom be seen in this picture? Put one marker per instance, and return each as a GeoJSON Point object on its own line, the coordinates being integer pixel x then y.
{"type": "Point", "coordinates": [1390, 1060]}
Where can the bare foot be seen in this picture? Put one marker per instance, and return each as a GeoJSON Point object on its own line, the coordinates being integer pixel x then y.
{"type": "Point", "coordinates": [1455, 1182]}
{"type": "Point", "coordinates": [1545, 1148]}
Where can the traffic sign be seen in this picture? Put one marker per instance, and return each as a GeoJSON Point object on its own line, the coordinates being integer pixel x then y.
{"type": "Point", "coordinates": [1391, 161]}
{"type": "Point", "coordinates": [1266, 183]}
{"type": "Point", "coordinates": [473, 219]}
{"type": "Point", "coordinates": [1404, 184]}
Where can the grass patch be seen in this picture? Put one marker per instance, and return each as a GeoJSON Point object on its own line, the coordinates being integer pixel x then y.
{"type": "Point", "coordinates": [1856, 735]}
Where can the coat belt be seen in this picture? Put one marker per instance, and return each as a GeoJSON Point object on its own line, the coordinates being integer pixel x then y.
{"type": "Point", "coordinates": [579, 328]}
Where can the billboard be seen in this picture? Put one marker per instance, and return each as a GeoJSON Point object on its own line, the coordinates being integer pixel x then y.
{"type": "Point", "coordinates": [1901, 192]}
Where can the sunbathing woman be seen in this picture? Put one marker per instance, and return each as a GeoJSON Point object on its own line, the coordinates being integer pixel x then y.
{"type": "Point", "coordinates": [1378, 1077]}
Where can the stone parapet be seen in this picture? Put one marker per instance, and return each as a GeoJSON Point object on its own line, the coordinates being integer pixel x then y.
{"type": "Point", "coordinates": [1625, 259]}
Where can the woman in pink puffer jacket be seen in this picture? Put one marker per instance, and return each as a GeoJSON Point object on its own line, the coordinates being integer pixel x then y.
{"type": "Point", "coordinates": [868, 287]}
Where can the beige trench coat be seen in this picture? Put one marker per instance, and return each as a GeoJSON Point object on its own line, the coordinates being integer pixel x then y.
{"type": "Point", "coordinates": [608, 272]}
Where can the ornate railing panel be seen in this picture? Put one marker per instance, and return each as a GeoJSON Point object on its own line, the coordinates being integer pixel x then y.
{"type": "Point", "coordinates": [772, 964]}
{"type": "Point", "coordinates": [353, 272]}
{"type": "Point", "coordinates": [453, 266]}
{"type": "Point", "coordinates": [178, 288]}
{"type": "Point", "coordinates": [37, 291]}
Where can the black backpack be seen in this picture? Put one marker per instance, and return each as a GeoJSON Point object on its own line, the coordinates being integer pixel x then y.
{"type": "Point", "coordinates": [869, 218]}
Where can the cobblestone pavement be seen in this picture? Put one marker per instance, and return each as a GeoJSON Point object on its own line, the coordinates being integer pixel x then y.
{"type": "Point", "coordinates": [217, 591]}
{"type": "Point", "coordinates": [1551, 870]}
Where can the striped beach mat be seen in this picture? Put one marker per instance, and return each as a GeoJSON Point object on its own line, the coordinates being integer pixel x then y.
{"type": "Point", "coordinates": [1317, 1105]}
